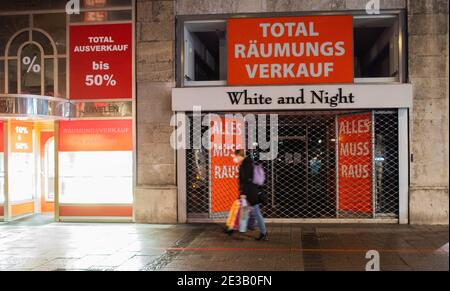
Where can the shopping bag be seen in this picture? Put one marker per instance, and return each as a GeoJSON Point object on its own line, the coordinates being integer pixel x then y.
{"type": "Point", "coordinates": [233, 217]}
{"type": "Point", "coordinates": [251, 224]}
{"type": "Point", "coordinates": [243, 215]}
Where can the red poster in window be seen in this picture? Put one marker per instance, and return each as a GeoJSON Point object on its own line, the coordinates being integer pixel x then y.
{"type": "Point", "coordinates": [101, 61]}
{"type": "Point", "coordinates": [290, 50]}
{"type": "Point", "coordinates": [355, 163]}
{"type": "Point", "coordinates": [227, 136]}
{"type": "Point", "coordinates": [95, 135]}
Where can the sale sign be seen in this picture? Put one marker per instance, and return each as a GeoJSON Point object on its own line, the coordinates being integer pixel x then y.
{"type": "Point", "coordinates": [21, 137]}
{"type": "Point", "coordinates": [101, 61]}
{"type": "Point", "coordinates": [227, 135]}
{"type": "Point", "coordinates": [290, 50]}
{"type": "Point", "coordinates": [95, 135]}
{"type": "Point", "coordinates": [355, 163]}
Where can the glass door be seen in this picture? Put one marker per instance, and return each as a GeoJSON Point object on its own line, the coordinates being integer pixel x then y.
{"type": "Point", "coordinates": [47, 198]}
{"type": "Point", "coordinates": [21, 169]}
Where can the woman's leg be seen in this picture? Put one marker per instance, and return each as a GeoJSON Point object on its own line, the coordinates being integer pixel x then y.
{"type": "Point", "coordinates": [259, 219]}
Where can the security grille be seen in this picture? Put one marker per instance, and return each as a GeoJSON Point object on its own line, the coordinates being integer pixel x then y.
{"type": "Point", "coordinates": [197, 177]}
{"type": "Point", "coordinates": [386, 164]}
{"type": "Point", "coordinates": [304, 181]}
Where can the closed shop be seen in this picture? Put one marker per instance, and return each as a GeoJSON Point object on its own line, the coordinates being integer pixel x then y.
{"type": "Point", "coordinates": [318, 100]}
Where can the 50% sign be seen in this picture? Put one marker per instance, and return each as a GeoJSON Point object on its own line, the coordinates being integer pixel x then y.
{"type": "Point", "coordinates": [99, 80]}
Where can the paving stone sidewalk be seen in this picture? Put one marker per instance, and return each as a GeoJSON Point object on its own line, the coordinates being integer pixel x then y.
{"type": "Point", "coordinates": [292, 247]}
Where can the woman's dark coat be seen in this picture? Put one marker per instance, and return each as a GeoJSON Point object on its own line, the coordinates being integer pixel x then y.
{"type": "Point", "coordinates": [246, 186]}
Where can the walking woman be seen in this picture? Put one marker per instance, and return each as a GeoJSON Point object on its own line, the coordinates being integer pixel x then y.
{"type": "Point", "coordinates": [249, 189]}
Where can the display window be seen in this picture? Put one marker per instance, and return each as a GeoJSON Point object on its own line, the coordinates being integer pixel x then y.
{"type": "Point", "coordinates": [95, 167]}
{"type": "Point", "coordinates": [21, 168]}
{"type": "Point", "coordinates": [53, 65]}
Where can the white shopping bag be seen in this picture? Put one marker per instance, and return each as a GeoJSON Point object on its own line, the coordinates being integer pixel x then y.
{"type": "Point", "coordinates": [244, 215]}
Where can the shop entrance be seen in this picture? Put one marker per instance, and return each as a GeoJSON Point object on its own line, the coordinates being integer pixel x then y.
{"type": "Point", "coordinates": [302, 181]}
{"type": "Point", "coordinates": [29, 160]}
{"type": "Point", "coordinates": [66, 170]}
{"type": "Point", "coordinates": [47, 174]}
{"type": "Point", "coordinates": [329, 165]}
{"type": "Point", "coordinates": [290, 176]}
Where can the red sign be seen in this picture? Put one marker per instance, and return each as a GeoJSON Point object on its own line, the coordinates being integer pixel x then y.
{"type": "Point", "coordinates": [290, 50]}
{"type": "Point", "coordinates": [227, 136]}
{"type": "Point", "coordinates": [101, 61]}
{"type": "Point", "coordinates": [355, 163]}
{"type": "Point", "coordinates": [95, 135]}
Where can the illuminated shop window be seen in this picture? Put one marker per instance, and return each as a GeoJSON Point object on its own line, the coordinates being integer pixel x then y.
{"type": "Point", "coordinates": [49, 170]}
{"type": "Point", "coordinates": [107, 180]}
{"type": "Point", "coordinates": [22, 164]}
{"type": "Point", "coordinates": [95, 162]}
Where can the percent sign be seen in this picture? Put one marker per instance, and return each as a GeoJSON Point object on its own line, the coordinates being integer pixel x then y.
{"type": "Point", "coordinates": [109, 80]}
{"type": "Point", "coordinates": [31, 64]}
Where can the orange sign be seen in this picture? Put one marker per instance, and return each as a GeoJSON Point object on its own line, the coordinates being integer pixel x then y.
{"type": "Point", "coordinates": [21, 137]}
{"type": "Point", "coordinates": [227, 135]}
{"type": "Point", "coordinates": [355, 163]}
{"type": "Point", "coordinates": [290, 50]}
{"type": "Point", "coordinates": [95, 135]}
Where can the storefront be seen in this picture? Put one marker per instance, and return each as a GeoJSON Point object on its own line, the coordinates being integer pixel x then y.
{"type": "Point", "coordinates": [321, 101]}
{"type": "Point", "coordinates": [67, 91]}
{"type": "Point", "coordinates": [88, 103]}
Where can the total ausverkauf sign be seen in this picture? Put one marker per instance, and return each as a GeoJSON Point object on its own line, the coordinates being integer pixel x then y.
{"type": "Point", "coordinates": [101, 61]}
{"type": "Point", "coordinates": [290, 50]}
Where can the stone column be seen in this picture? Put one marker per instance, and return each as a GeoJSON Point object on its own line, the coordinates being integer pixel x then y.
{"type": "Point", "coordinates": [428, 72]}
{"type": "Point", "coordinates": [156, 192]}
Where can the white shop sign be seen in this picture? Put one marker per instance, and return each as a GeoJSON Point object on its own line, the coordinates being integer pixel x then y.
{"type": "Point", "coordinates": [292, 97]}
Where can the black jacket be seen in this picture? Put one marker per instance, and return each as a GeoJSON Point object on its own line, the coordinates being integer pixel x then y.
{"type": "Point", "coordinates": [246, 186]}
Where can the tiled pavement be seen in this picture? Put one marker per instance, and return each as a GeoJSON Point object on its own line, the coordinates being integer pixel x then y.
{"type": "Point", "coordinates": [88, 246]}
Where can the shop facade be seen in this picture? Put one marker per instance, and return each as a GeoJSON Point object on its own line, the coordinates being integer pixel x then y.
{"type": "Point", "coordinates": [67, 111]}
{"type": "Point", "coordinates": [351, 98]}
{"type": "Point", "coordinates": [334, 105]}
{"type": "Point", "coordinates": [237, 60]}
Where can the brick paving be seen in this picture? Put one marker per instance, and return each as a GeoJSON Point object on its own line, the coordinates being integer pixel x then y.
{"type": "Point", "coordinates": [291, 247]}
